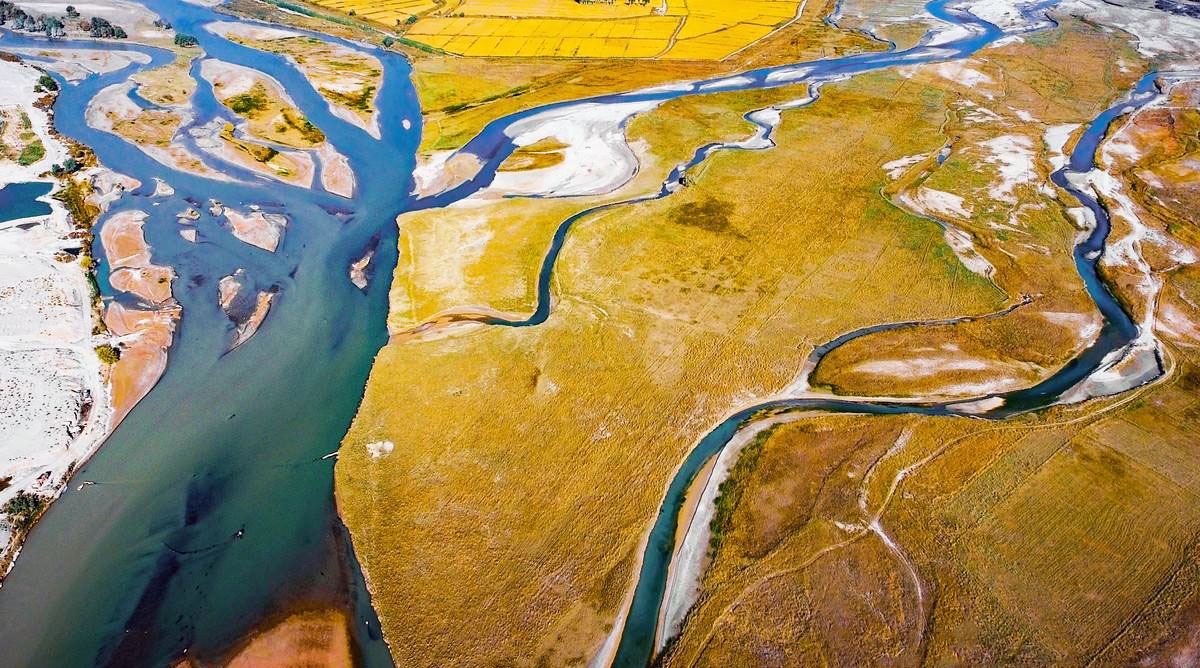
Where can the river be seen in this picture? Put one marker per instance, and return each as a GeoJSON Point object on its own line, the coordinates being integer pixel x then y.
{"type": "Point", "coordinates": [143, 565]}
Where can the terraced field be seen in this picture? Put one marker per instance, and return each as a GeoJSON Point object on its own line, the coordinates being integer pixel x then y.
{"type": "Point", "coordinates": [693, 30]}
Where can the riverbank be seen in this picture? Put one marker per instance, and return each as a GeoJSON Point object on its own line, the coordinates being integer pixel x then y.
{"type": "Point", "coordinates": [54, 400]}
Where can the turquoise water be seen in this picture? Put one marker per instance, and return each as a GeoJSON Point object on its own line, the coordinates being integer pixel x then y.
{"type": "Point", "coordinates": [143, 565]}
{"type": "Point", "coordinates": [20, 200]}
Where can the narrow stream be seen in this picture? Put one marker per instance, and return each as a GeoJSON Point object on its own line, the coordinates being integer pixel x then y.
{"type": "Point", "coordinates": [636, 648]}
{"type": "Point", "coordinates": [142, 565]}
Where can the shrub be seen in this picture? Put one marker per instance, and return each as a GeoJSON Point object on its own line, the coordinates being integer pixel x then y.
{"type": "Point", "coordinates": [249, 103]}
{"type": "Point", "coordinates": [47, 82]}
{"type": "Point", "coordinates": [24, 508]}
{"type": "Point", "coordinates": [185, 40]}
{"type": "Point", "coordinates": [31, 154]}
{"type": "Point", "coordinates": [108, 353]}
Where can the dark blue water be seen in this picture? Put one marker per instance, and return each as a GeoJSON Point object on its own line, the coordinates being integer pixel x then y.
{"type": "Point", "coordinates": [20, 200]}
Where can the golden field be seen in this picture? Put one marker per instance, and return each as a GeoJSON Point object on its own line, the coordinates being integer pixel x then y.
{"type": "Point", "coordinates": [459, 96]}
{"type": "Point", "coordinates": [1065, 538]}
{"type": "Point", "coordinates": [1012, 221]}
{"type": "Point", "coordinates": [506, 524]}
{"type": "Point", "coordinates": [693, 30]}
{"type": "Point", "coordinates": [528, 462]}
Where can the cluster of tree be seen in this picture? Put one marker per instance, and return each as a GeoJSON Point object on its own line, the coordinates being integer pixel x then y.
{"type": "Point", "coordinates": [70, 166]}
{"type": "Point", "coordinates": [46, 84]}
{"type": "Point", "coordinates": [19, 19]}
{"type": "Point", "coordinates": [165, 25]}
{"type": "Point", "coordinates": [53, 26]}
{"type": "Point", "coordinates": [24, 508]}
{"type": "Point", "coordinates": [108, 353]}
{"type": "Point", "coordinates": [184, 39]}
{"type": "Point", "coordinates": [100, 27]}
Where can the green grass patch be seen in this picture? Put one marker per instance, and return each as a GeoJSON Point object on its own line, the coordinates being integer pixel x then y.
{"type": "Point", "coordinates": [248, 104]}
{"type": "Point", "coordinates": [729, 494]}
{"type": "Point", "coordinates": [360, 101]}
{"type": "Point", "coordinates": [25, 508]}
{"type": "Point", "coordinates": [32, 154]}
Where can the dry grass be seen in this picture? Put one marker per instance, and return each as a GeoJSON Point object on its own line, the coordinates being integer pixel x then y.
{"type": "Point", "coordinates": [169, 85]}
{"type": "Point", "coordinates": [529, 461]}
{"type": "Point", "coordinates": [347, 78]}
{"type": "Point", "coordinates": [485, 257]}
{"type": "Point", "coordinates": [269, 115]}
{"type": "Point", "coordinates": [1066, 538]}
{"type": "Point", "coordinates": [1018, 225]}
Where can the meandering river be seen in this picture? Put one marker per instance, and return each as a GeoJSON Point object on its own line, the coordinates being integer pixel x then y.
{"type": "Point", "coordinates": [146, 563]}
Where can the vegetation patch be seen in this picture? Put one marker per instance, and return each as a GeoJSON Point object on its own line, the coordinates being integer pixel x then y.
{"type": "Point", "coordinates": [729, 493]}
{"type": "Point", "coordinates": [25, 508]}
{"type": "Point", "coordinates": [31, 153]}
{"type": "Point", "coordinates": [249, 103]}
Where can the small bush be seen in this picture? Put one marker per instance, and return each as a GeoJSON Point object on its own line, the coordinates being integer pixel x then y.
{"type": "Point", "coordinates": [108, 353]}
{"type": "Point", "coordinates": [24, 508]}
{"type": "Point", "coordinates": [249, 103]}
{"type": "Point", "coordinates": [31, 154]}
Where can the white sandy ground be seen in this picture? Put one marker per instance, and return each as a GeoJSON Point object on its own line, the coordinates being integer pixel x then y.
{"type": "Point", "coordinates": [440, 171]}
{"type": "Point", "coordinates": [896, 168]}
{"type": "Point", "coordinates": [1158, 33]}
{"type": "Point", "coordinates": [208, 139]}
{"type": "Point", "coordinates": [77, 64]}
{"type": "Point", "coordinates": [1014, 158]}
{"type": "Point", "coordinates": [1140, 361]}
{"type": "Point", "coordinates": [162, 188]}
{"type": "Point", "coordinates": [358, 270]}
{"type": "Point", "coordinates": [132, 16]}
{"type": "Point", "coordinates": [691, 554]}
{"type": "Point", "coordinates": [231, 79]}
{"type": "Point", "coordinates": [112, 105]}
{"type": "Point", "coordinates": [337, 176]}
{"type": "Point", "coordinates": [244, 330]}
{"type": "Point", "coordinates": [941, 206]}
{"type": "Point", "coordinates": [54, 405]}
{"type": "Point", "coordinates": [256, 32]}
{"type": "Point", "coordinates": [597, 158]}
{"type": "Point", "coordinates": [228, 290]}
{"type": "Point", "coordinates": [380, 449]}
{"type": "Point", "coordinates": [256, 228]}
{"type": "Point", "coordinates": [1056, 140]}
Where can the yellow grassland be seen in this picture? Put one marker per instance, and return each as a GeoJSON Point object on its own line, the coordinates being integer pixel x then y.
{"type": "Point", "coordinates": [349, 79]}
{"type": "Point", "coordinates": [528, 462]}
{"type": "Point", "coordinates": [169, 85]}
{"type": "Point", "coordinates": [1053, 540]}
{"type": "Point", "coordinates": [271, 118]}
{"type": "Point", "coordinates": [1016, 235]}
{"type": "Point", "coordinates": [1066, 538]}
{"type": "Point", "coordinates": [459, 96]}
{"type": "Point", "coordinates": [673, 29]}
